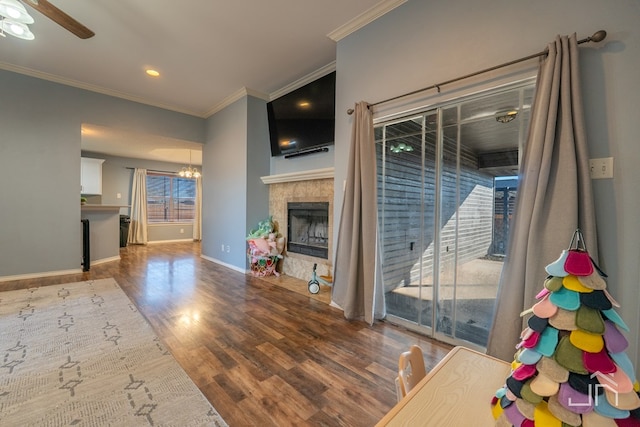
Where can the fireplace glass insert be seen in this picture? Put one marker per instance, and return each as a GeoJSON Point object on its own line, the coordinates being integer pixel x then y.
{"type": "Point", "coordinates": [308, 228]}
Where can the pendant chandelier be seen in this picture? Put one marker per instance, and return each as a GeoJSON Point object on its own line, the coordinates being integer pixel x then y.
{"type": "Point", "coordinates": [189, 171]}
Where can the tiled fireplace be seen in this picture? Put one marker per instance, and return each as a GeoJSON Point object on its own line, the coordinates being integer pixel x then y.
{"type": "Point", "coordinates": [309, 230]}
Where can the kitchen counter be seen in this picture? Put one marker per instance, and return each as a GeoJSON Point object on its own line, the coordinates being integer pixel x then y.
{"type": "Point", "coordinates": [104, 231]}
{"type": "Point", "coordinates": [92, 207]}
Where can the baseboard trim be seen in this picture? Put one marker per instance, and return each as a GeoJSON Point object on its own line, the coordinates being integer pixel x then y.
{"type": "Point", "coordinates": [224, 264]}
{"type": "Point", "coordinates": [39, 275]}
{"type": "Point", "coordinates": [104, 260]}
{"type": "Point", "coordinates": [169, 241]}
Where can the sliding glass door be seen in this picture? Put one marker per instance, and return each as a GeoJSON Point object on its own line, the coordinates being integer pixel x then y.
{"type": "Point", "coordinates": [447, 179]}
{"type": "Point", "coordinates": [406, 183]}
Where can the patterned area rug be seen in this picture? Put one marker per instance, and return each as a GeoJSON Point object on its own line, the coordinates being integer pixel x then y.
{"type": "Point", "coordinates": [81, 354]}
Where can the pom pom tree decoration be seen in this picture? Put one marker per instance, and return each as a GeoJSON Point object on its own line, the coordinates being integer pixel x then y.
{"type": "Point", "coordinates": [570, 367]}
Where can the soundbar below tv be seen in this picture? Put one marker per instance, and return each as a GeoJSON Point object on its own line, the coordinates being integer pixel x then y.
{"type": "Point", "coordinates": [303, 121]}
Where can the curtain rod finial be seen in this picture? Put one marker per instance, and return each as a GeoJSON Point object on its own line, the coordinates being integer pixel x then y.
{"type": "Point", "coordinates": [350, 111]}
{"type": "Point", "coordinates": [598, 36]}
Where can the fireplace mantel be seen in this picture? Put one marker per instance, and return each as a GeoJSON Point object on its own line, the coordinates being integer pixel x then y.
{"type": "Point", "coordinates": [298, 176]}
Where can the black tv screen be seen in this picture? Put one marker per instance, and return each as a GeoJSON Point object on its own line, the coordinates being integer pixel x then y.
{"type": "Point", "coordinates": [303, 119]}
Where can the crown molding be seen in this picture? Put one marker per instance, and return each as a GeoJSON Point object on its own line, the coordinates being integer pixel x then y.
{"type": "Point", "coordinates": [257, 94]}
{"type": "Point", "coordinates": [355, 24]}
{"type": "Point", "coordinates": [237, 95]}
{"type": "Point", "coordinates": [364, 18]}
{"type": "Point", "coordinates": [93, 88]}
{"type": "Point", "coordinates": [324, 173]}
{"type": "Point", "coordinates": [321, 72]}
{"type": "Point", "coordinates": [241, 93]}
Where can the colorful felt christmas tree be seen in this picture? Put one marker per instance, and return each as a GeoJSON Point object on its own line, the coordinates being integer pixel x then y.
{"type": "Point", "coordinates": [570, 367]}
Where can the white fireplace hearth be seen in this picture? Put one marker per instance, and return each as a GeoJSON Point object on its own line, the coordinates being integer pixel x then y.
{"type": "Point", "coordinates": [312, 188]}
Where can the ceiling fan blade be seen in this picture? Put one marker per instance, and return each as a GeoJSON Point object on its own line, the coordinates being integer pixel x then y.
{"type": "Point", "coordinates": [61, 18]}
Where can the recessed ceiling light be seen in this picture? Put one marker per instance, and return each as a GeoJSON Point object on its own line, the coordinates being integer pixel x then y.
{"type": "Point", "coordinates": [304, 104]}
{"type": "Point", "coordinates": [152, 73]}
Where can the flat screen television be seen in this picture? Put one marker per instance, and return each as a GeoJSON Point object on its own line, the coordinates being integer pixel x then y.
{"type": "Point", "coordinates": [303, 121]}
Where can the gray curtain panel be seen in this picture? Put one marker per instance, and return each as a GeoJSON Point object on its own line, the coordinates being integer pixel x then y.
{"type": "Point", "coordinates": [138, 225]}
{"type": "Point", "coordinates": [357, 287]}
{"type": "Point", "coordinates": [554, 197]}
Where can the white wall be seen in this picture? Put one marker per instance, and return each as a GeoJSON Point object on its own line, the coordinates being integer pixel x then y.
{"type": "Point", "coordinates": [422, 43]}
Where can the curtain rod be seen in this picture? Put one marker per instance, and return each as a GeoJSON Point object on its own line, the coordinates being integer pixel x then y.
{"type": "Point", "coordinates": [598, 36]}
{"type": "Point", "coordinates": [153, 170]}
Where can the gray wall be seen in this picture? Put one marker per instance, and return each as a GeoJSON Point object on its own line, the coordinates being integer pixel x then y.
{"type": "Point", "coordinates": [40, 228]}
{"type": "Point", "coordinates": [302, 163]}
{"type": "Point", "coordinates": [117, 176]}
{"type": "Point", "coordinates": [423, 43]}
{"type": "Point", "coordinates": [235, 155]}
{"type": "Point", "coordinates": [258, 154]}
{"type": "Point", "coordinates": [40, 133]}
{"type": "Point", "coordinates": [37, 219]}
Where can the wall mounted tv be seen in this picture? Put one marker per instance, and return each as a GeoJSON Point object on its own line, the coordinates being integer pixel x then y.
{"type": "Point", "coordinates": [303, 121]}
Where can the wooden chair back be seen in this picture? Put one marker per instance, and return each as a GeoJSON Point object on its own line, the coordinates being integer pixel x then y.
{"type": "Point", "coordinates": [410, 370]}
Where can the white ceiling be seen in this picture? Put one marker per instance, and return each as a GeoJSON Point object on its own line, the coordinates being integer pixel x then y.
{"type": "Point", "coordinates": [208, 52]}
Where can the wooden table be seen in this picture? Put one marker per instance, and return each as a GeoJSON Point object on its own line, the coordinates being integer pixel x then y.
{"type": "Point", "coordinates": [456, 393]}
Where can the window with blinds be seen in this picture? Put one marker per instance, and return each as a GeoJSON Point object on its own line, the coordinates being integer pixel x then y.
{"type": "Point", "coordinates": [170, 198]}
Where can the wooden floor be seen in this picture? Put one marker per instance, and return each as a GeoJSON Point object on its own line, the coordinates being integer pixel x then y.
{"type": "Point", "coordinates": [263, 355]}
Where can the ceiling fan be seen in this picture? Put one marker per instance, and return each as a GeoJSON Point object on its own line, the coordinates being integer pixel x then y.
{"type": "Point", "coordinates": [60, 18]}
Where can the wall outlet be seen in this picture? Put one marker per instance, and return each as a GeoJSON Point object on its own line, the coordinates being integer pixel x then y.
{"type": "Point", "coordinates": [601, 168]}
{"type": "Point", "coordinates": [228, 249]}
{"type": "Point", "coordinates": [182, 231]}
{"type": "Point", "coordinates": [118, 196]}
